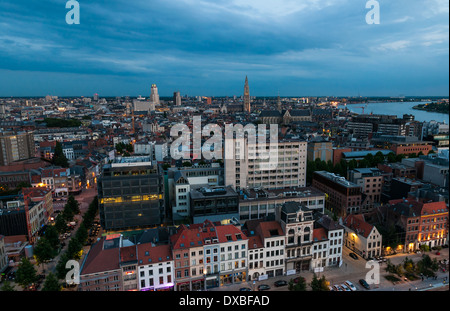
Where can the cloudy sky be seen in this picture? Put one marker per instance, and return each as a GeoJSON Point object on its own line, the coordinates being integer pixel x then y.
{"type": "Point", "coordinates": [207, 47]}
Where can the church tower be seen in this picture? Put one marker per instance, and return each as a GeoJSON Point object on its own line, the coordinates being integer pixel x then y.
{"type": "Point", "coordinates": [247, 107]}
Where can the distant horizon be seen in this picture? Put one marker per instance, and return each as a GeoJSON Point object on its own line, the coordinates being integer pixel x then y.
{"type": "Point", "coordinates": [238, 96]}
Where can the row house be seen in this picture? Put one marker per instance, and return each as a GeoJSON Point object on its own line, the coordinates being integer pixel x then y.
{"type": "Point", "coordinates": [362, 237]}
{"type": "Point", "coordinates": [297, 223]}
{"type": "Point", "coordinates": [266, 254]}
{"type": "Point", "coordinates": [209, 255]}
{"type": "Point", "coordinates": [56, 179]}
{"type": "Point", "coordinates": [422, 223]}
{"type": "Point", "coordinates": [116, 264]}
{"type": "Point", "coordinates": [328, 239]}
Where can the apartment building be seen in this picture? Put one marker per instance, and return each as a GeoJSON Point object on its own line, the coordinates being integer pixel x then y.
{"type": "Point", "coordinates": [252, 170]}
{"type": "Point", "coordinates": [343, 197]}
{"type": "Point", "coordinates": [297, 223]}
{"type": "Point", "coordinates": [213, 203]}
{"type": "Point", "coordinates": [155, 267]}
{"type": "Point", "coordinates": [56, 179]}
{"type": "Point", "coordinates": [182, 180]}
{"type": "Point", "coordinates": [266, 249]}
{"type": "Point", "coordinates": [257, 203]}
{"type": "Point", "coordinates": [209, 255]}
{"type": "Point", "coordinates": [320, 148]}
{"type": "Point", "coordinates": [189, 256]}
{"type": "Point", "coordinates": [370, 180]}
{"type": "Point", "coordinates": [333, 232]}
{"type": "Point", "coordinates": [233, 255]}
{"type": "Point", "coordinates": [16, 147]}
{"type": "Point", "coordinates": [425, 222]}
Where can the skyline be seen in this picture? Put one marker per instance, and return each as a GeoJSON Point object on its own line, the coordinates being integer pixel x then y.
{"type": "Point", "coordinates": [315, 48]}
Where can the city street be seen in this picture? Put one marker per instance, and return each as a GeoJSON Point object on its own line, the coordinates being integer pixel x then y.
{"type": "Point", "coordinates": [355, 269]}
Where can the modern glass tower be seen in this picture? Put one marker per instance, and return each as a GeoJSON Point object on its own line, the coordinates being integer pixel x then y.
{"type": "Point", "coordinates": [131, 195]}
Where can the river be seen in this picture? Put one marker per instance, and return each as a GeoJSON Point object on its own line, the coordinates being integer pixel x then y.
{"type": "Point", "coordinates": [399, 109]}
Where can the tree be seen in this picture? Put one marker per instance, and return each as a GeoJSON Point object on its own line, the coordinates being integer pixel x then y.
{"type": "Point", "coordinates": [59, 159]}
{"type": "Point", "coordinates": [82, 234]}
{"type": "Point", "coordinates": [391, 157]}
{"type": "Point", "coordinates": [60, 224]}
{"type": "Point", "coordinates": [51, 234]}
{"type": "Point", "coordinates": [25, 274]}
{"type": "Point", "coordinates": [426, 266]}
{"type": "Point", "coordinates": [43, 251]}
{"type": "Point", "coordinates": [73, 205]}
{"type": "Point", "coordinates": [74, 248]}
{"type": "Point", "coordinates": [61, 269]}
{"type": "Point", "coordinates": [51, 283]}
{"type": "Point", "coordinates": [298, 286]}
{"type": "Point", "coordinates": [320, 285]}
{"type": "Point", "coordinates": [7, 287]}
{"type": "Point", "coordinates": [408, 265]}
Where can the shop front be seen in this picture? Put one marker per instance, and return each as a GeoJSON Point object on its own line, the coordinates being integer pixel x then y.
{"type": "Point", "coordinates": [233, 278]}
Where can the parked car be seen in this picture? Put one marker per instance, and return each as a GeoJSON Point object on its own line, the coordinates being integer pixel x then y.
{"type": "Point", "coordinates": [350, 285]}
{"type": "Point", "coordinates": [353, 255]}
{"type": "Point", "coordinates": [263, 287]}
{"type": "Point", "coordinates": [337, 288]}
{"type": "Point", "coordinates": [245, 289]}
{"type": "Point", "coordinates": [331, 288]}
{"type": "Point", "coordinates": [364, 283]}
{"type": "Point", "coordinates": [280, 283]}
{"type": "Point", "coordinates": [345, 288]}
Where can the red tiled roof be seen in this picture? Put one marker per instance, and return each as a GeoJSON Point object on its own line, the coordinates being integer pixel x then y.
{"type": "Point", "coordinates": [358, 224]}
{"type": "Point", "coordinates": [433, 208]}
{"type": "Point", "coordinates": [153, 254]}
{"type": "Point", "coordinates": [194, 235]}
{"type": "Point", "coordinates": [128, 253]}
{"type": "Point", "coordinates": [320, 234]}
{"type": "Point", "coordinates": [100, 259]}
{"type": "Point", "coordinates": [268, 228]}
{"type": "Point", "coordinates": [229, 231]}
{"type": "Point", "coordinates": [255, 242]}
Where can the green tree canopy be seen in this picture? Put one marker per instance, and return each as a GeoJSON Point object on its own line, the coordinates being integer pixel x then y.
{"type": "Point", "coordinates": [319, 284]}
{"type": "Point", "coordinates": [26, 273]}
{"type": "Point", "coordinates": [59, 159]}
{"type": "Point", "coordinates": [43, 251]}
{"type": "Point", "coordinates": [51, 283]}
{"type": "Point", "coordinates": [299, 286]}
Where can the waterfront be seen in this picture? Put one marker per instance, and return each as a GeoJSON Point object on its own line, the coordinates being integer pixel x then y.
{"type": "Point", "coordinates": [399, 109]}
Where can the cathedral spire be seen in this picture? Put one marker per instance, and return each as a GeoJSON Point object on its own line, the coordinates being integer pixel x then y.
{"type": "Point", "coordinates": [247, 107]}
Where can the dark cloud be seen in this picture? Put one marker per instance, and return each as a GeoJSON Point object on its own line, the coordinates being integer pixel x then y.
{"type": "Point", "coordinates": [208, 46]}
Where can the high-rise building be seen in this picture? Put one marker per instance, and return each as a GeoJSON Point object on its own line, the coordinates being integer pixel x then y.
{"type": "Point", "coordinates": [154, 96]}
{"type": "Point", "coordinates": [131, 194]}
{"type": "Point", "coordinates": [252, 172]}
{"type": "Point", "coordinates": [16, 147]}
{"type": "Point", "coordinates": [247, 107]}
{"type": "Point", "coordinates": [177, 99]}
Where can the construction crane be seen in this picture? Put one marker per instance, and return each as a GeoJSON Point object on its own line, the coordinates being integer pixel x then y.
{"type": "Point", "coordinates": [363, 108]}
